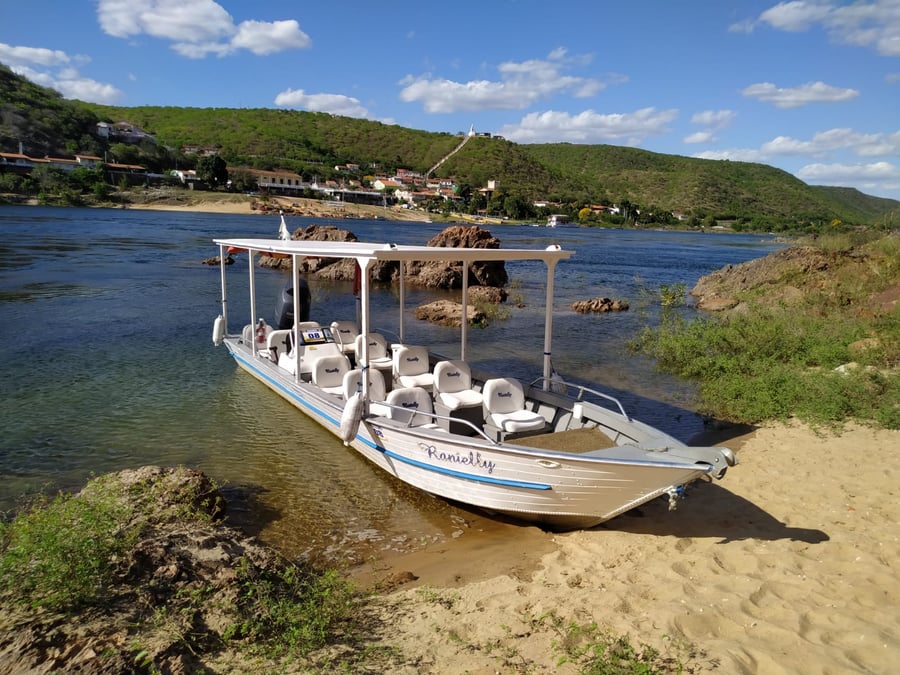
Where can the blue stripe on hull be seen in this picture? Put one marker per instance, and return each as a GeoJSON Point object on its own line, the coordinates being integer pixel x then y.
{"type": "Point", "coordinates": [400, 458]}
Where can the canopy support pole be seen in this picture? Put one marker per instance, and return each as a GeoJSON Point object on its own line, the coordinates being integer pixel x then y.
{"type": "Point", "coordinates": [548, 324]}
{"type": "Point", "coordinates": [464, 320]}
{"type": "Point", "coordinates": [250, 254]}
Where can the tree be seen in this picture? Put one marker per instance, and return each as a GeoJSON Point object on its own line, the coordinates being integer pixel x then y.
{"type": "Point", "coordinates": [212, 170]}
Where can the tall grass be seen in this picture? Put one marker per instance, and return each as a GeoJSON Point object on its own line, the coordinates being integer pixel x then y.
{"type": "Point", "coordinates": [801, 360]}
{"type": "Point", "coordinates": [61, 552]}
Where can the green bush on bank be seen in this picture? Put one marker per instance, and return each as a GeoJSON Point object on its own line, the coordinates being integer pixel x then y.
{"type": "Point", "coordinates": [775, 361]}
{"type": "Point", "coordinates": [80, 556]}
{"type": "Point", "coordinates": [61, 552]}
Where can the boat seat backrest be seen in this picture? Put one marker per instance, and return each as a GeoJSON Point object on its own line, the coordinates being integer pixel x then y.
{"type": "Point", "coordinates": [412, 367]}
{"type": "Point", "coordinates": [504, 408]}
{"type": "Point", "coordinates": [452, 376]}
{"type": "Point", "coordinates": [249, 336]}
{"type": "Point", "coordinates": [328, 372]}
{"type": "Point", "coordinates": [280, 340]}
{"type": "Point", "coordinates": [411, 360]}
{"type": "Point", "coordinates": [410, 405]}
{"type": "Point", "coordinates": [503, 395]}
{"type": "Point", "coordinates": [378, 348]}
{"type": "Point", "coordinates": [453, 385]}
{"type": "Point", "coordinates": [345, 333]}
{"type": "Point", "coordinates": [353, 381]}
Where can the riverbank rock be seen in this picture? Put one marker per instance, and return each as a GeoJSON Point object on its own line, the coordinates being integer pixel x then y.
{"type": "Point", "coordinates": [488, 294]}
{"type": "Point", "coordinates": [175, 595]}
{"type": "Point", "coordinates": [599, 305]}
{"type": "Point", "coordinates": [448, 313]}
{"type": "Point", "coordinates": [438, 274]}
{"type": "Point", "coordinates": [448, 274]}
{"type": "Point", "coordinates": [781, 277]}
{"type": "Point", "coordinates": [215, 260]}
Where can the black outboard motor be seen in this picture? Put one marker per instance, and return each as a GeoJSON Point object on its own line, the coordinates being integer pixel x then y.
{"type": "Point", "coordinates": [284, 310]}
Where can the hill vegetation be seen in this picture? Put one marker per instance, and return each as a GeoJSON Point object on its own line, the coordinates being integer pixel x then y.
{"type": "Point", "coordinates": [650, 185]}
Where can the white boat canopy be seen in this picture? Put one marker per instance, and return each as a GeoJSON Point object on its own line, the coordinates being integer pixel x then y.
{"type": "Point", "coordinates": [366, 254]}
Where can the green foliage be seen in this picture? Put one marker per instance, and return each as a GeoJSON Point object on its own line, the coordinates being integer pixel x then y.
{"type": "Point", "coordinates": [39, 117]}
{"type": "Point", "coordinates": [212, 170]}
{"type": "Point", "coordinates": [61, 552]}
{"type": "Point", "coordinates": [597, 651]}
{"type": "Point", "coordinates": [290, 610]}
{"type": "Point", "coordinates": [672, 295]}
{"type": "Point", "coordinates": [778, 362]}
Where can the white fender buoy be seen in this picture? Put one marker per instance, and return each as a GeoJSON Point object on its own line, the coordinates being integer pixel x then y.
{"type": "Point", "coordinates": [351, 417]}
{"type": "Point", "coordinates": [218, 330]}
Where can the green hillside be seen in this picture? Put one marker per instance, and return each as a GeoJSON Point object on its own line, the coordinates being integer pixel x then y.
{"type": "Point", "coordinates": [312, 144]}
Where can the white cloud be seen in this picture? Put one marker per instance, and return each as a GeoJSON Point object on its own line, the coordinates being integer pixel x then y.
{"type": "Point", "coordinates": [53, 68]}
{"type": "Point", "coordinates": [520, 85]}
{"type": "Point", "coordinates": [874, 178]}
{"type": "Point", "coordinates": [745, 26]}
{"type": "Point", "coordinates": [796, 16]}
{"type": "Point", "coordinates": [590, 127]}
{"type": "Point", "coordinates": [72, 85]}
{"type": "Point", "coordinates": [866, 23]}
{"type": "Point", "coordinates": [86, 89]}
{"type": "Point", "coordinates": [20, 56]}
{"type": "Point", "coordinates": [336, 104]}
{"type": "Point", "coordinates": [714, 120]}
{"type": "Point", "coordinates": [795, 97]}
{"type": "Point", "coordinates": [824, 142]}
{"type": "Point", "coordinates": [197, 28]}
{"type": "Point", "coordinates": [267, 38]}
{"type": "Point", "coordinates": [701, 137]}
{"type": "Point", "coordinates": [733, 154]}
{"type": "Point", "coordinates": [878, 177]}
{"type": "Point", "coordinates": [197, 21]}
{"type": "Point", "coordinates": [717, 119]}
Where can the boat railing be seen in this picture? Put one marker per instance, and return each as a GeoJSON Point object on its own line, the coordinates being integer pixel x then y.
{"type": "Point", "coordinates": [562, 387]}
{"type": "Point", "coordinates": [435, 417]}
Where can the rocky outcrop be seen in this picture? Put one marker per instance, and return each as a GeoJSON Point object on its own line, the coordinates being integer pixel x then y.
{"type": "Point", "coordinates": [440, 274]}
{"type": "Point", "coordinates": [176, 593]}
{"type": "Point", "coordinates": [448, 313]}
{"type": "Point", "coordinates": [774, 276]}
{"type": "Point", "coordinates": [448, 274]}
{"type": "Point", "coordinates": [215, 260]}
{"type": "Point", "coordinates": [599, 305]}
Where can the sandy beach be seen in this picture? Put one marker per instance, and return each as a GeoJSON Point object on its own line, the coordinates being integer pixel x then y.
{"type": "Point", "coordinates": [244, 204]}
{"type": "Point", "coordinates": [788, 565]}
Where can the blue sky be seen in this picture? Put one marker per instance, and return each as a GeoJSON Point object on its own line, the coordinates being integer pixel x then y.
{"type": "Point", "coordinates": [811, 87]}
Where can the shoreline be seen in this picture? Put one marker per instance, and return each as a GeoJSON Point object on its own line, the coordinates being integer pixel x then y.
{"type": "Point", "coordinates": [290, 206]}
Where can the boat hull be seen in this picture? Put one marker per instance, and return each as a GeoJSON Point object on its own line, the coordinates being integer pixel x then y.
{"type": "Point", "coordinates": [559, 490]}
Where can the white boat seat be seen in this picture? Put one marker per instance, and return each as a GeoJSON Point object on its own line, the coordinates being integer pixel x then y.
{"type": "Point", "coordinates": [353, 381]}
{"type": "Point", "coordinates": [412, 368]}
{"type": "Point", "coordinates": [453, 385]}
{"type": "Point", "coordinates": [248, 335]}
{"type": "Point", "coordinates": [279, 342]}
{"type": "Point", "coordinates": [504, 407]}
{"type": "Point", "coordinates": [328, 373]}
{"type": "Point", "coordinates": [379, 354]}
{"type": "Point", "coordinates": [411, 406]}
{"type": "Point", "coordinates": [345, 333]}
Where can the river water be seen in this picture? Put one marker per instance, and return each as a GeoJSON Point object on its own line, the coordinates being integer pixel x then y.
{"type": "Point", "coordinates": [106, 360]}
